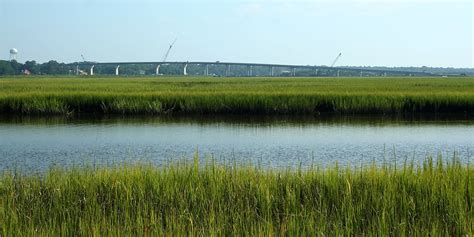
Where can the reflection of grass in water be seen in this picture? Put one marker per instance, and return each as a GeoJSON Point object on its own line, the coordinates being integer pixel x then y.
{"type": "Point", "coordinates": [182, 199]}
{"type": "Point", "coordinates": [236, 95]}
{"type": "Point", "coordinates": [244, 120]}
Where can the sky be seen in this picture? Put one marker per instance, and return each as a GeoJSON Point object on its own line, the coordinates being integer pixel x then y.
{"type": "Point", "coordinates": [433, 33]}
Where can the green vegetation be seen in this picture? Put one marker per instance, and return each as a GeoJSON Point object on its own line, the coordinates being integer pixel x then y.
{"type": "Point", "coordinates": [208, 199]}
{"type": "Point", "coordinates": [188, 95]}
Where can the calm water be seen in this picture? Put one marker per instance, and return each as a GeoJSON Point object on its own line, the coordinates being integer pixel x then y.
{"type": "Point", "coordinates": [33, 145]}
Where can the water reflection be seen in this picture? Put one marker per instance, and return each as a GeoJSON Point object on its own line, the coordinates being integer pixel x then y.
{"type": "Point", "coordinates": [33, 144]}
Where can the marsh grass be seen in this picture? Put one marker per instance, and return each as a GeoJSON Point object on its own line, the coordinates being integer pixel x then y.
{"type": "Point", "coordinates": [188, 95]}
{"type": "Point", "coordinates": [435, 198]}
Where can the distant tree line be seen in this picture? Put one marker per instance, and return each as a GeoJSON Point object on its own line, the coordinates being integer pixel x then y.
{"type": "Point", "coordinates": [32, 67]}
{"type": "Point", "coordinates": [83, 68]}
{"type": "Point", "coordinates": [434, 70]}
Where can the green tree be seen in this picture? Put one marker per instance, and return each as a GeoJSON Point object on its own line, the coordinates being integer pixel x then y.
{"type": "Point", "coordinates": [32, 66]}
{"type": "Point", "coordinates": [6, 68]}
{"type": "Point", "coordinates": [50, 68]}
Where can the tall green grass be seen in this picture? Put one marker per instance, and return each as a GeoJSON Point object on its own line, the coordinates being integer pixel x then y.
{"type": "Point", "coordinates": [188, 95]}
{"type": "Point", "coordinates": [208, 199]}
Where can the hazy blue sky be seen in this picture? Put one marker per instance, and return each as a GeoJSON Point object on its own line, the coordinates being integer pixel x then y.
{"type": "Point", "coordinates": [367, 32]}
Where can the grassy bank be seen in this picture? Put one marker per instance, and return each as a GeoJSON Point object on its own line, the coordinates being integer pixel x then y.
{"type": "Point", "coordinates": [435, 198]}
{"type": "Point", "coordinates": [188, 95]}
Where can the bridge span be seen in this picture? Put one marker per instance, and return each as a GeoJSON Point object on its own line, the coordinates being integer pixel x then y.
{"type": "Point", "coordinates": [243, 69]}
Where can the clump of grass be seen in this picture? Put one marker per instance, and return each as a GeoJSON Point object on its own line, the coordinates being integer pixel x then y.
{"type": "Point", "coordinates": [35, 105]}
{"type": "Point", "coordinates": [236, 95]}
{"type": "Point", "coordinates": [210, 199]}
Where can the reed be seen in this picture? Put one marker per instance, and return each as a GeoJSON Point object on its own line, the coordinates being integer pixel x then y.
{"type": "Point", "coordinates": [189, 95]}
{"type": "Point", "coordinates": [435, 198]}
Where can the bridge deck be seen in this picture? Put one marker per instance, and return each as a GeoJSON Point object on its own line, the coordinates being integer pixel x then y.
{"type": "Point", "coordinates": [308, 67]}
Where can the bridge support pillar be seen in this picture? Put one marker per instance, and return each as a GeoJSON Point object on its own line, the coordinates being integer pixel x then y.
{"type": "Point", "coordinates": [227, 71]}
{"type": "Point", "coordinates": [157, 72]}
{"type": "Point", "coordinates": [250, 73]}
{"type": "Point", "coordinates": [315, 72]}
{"type": "Point", "coordinates": [92, 70]}
{"type": "Point", "coordinates": [293, 71]}
{"type": "Point", "coordinates": [117, 70]}
{"type": "Point", "coordinates": [206, 71]}
{"type": "Point", "coordinates": [185, 72]}
{"type": "Point", "coordinates": [77, 70]}
{"type": "Point", "coordinates": [337, 73]}
{"type": "Point", "coordinates": [272, 71]}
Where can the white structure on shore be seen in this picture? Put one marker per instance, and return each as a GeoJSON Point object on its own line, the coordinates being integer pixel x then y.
{"type": "Point", "coordinates": [13, 54]}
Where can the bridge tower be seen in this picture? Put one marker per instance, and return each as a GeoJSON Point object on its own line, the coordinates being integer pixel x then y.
{"type": "Point", "coordinates": [227, 71]}
{"type": "Point", "coordinates": [157, 70]}
{"type": "Point", "coordinates": [185, 72]}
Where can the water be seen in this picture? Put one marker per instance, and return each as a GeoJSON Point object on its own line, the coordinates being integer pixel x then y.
{"type": "Point", "coordinates": [33, 145]}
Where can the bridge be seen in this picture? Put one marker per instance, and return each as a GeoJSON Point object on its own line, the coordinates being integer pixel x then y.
{"type": "Point", "coordinates": [248, 69]}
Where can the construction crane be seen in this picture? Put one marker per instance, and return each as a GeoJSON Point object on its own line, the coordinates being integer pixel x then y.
{"type": "Point", "coordinates": [169, 49]}
{"type": "Point", "coordinates": [335, 60]}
